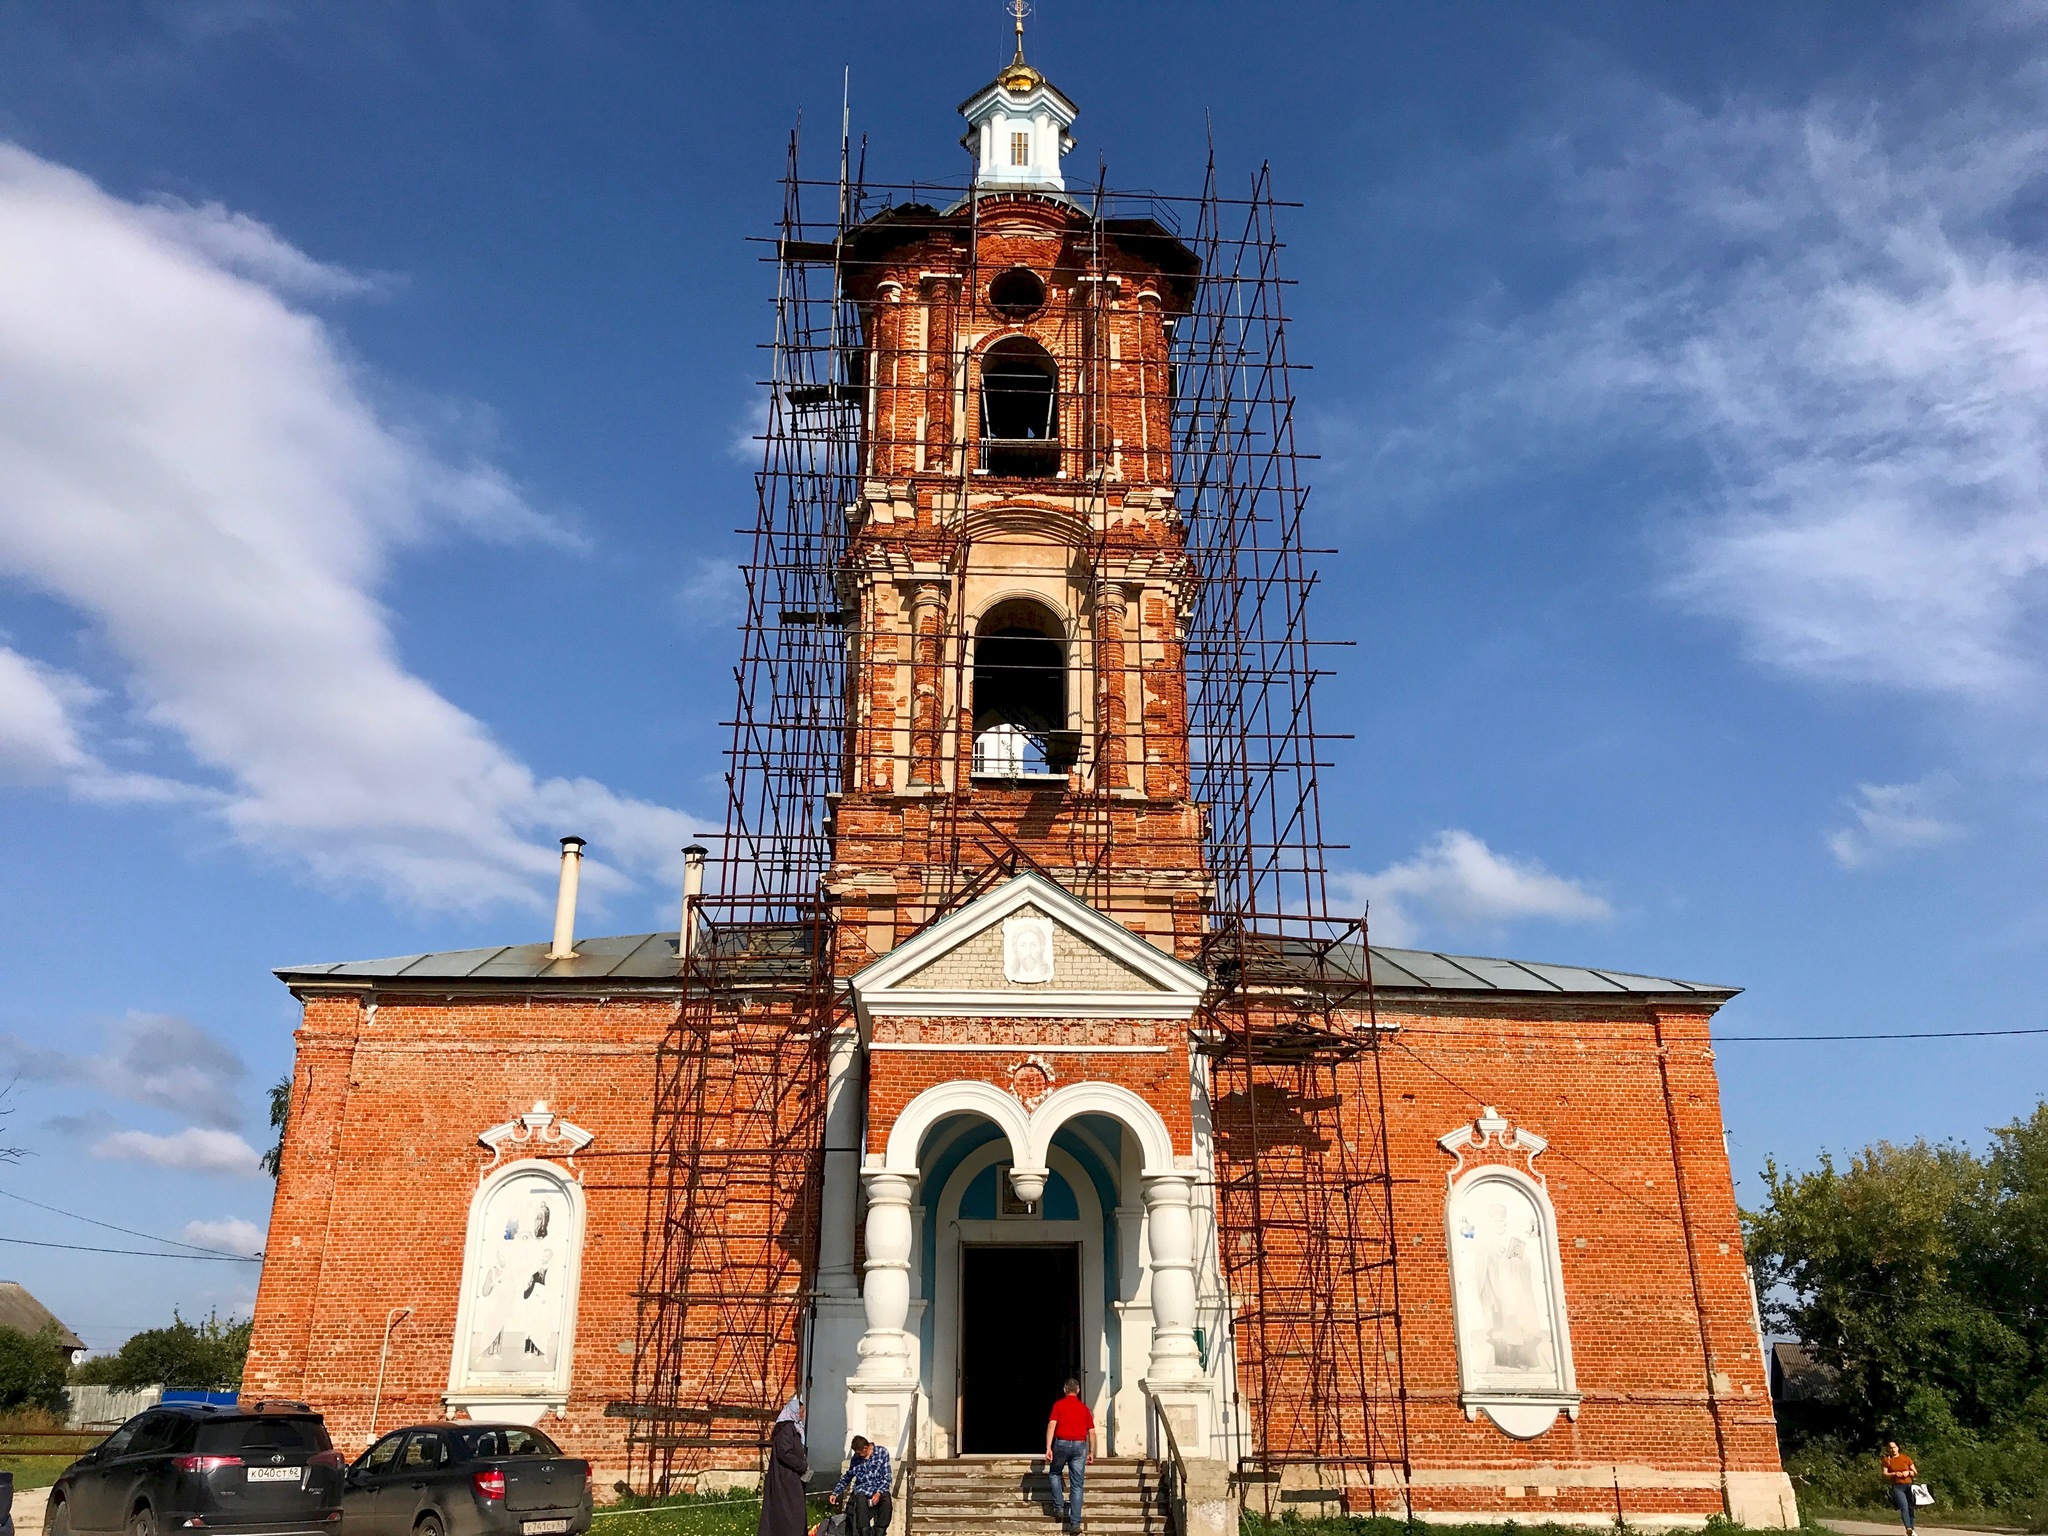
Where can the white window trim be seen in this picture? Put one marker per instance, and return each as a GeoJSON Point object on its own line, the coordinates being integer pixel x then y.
{"type": "Point", "coordinates": [1520, 1412]}
{"type": "Point", "coordinates": [526, 1398]}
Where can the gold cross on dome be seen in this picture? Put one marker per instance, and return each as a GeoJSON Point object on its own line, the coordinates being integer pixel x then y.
{"type": "Point", "coordinates": [1019, 9]}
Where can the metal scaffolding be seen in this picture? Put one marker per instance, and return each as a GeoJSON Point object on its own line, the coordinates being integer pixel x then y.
{"type": "Point", "coordinates": [1302, 1193]}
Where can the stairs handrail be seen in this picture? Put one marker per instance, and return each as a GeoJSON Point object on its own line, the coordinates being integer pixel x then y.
{"type": "Point", "coordinates": [1176, 1467]}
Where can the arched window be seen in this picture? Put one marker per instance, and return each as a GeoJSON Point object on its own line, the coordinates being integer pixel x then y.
{"type": "Point", "coordinates": [1020, 424]}
{"type": "Point", "coordinates": [1020, 692]}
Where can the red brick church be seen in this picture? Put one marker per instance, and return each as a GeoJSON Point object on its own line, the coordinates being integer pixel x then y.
{"type": "Point", "coordinates": [1007, 1032]}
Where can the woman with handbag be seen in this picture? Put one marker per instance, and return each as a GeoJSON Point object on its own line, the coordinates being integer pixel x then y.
{"type": "Point", "coordinates": [1900, 1472]}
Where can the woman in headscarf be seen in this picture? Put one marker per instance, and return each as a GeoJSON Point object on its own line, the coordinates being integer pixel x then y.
{"type": "Point", "coordinates": [783, 1511]}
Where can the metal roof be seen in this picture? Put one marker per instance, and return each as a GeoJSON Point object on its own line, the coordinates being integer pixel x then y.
{"type": "Point", "coordinates": [635, 957]}
{"type": "Point", "coordinates": [1423, 970]}
{"type": "Point", "coordinates": [764, 955]}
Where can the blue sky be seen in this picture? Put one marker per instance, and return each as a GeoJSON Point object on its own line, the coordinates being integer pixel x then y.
{"type": "Point", "coordinates": [370, 385]}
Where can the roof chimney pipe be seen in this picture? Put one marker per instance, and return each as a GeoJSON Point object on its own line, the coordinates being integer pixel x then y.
{"type": "Point", "coordinates": [693, 891]}
{"type": "Point", "coordinates": [565, 900]}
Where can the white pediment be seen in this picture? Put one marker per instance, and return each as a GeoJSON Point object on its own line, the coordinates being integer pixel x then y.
{"type": "Point", "coordinates": [1028, 949]}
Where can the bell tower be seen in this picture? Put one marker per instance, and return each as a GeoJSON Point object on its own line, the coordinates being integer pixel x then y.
{"type": "Point", "coordinates": [1015, 579]}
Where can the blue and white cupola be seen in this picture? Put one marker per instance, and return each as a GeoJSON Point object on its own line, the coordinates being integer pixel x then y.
{"type": "Point", "coordinates": [1017, 128]}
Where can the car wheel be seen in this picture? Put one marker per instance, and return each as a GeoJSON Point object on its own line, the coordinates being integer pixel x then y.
{"type": "Point", "coordinates": [58, 1521]}
{"type": "Point", "coordinates": [142, 1522]}
{"type": "Point", "coordinates": [430, 1525]}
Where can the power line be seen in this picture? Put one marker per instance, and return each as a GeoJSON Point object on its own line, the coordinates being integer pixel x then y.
{"type": "Point", "coordinates": [1593, 1028]}
{"type": "Point", "coordinates": [1918, 1034]}
{"type": "Point", "coordinates": [170, 1242]}
{"type": "Point", "coordinates": [140, 1253]}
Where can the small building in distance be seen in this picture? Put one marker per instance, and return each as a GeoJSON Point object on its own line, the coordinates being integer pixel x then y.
{"type": "Point", "coordinates": [19, 1310]}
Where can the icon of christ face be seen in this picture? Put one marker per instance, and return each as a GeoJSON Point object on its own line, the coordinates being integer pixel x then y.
{"type": "Point", "coordinates": [1027, 950]}
{"type": "Point", "coordinates": [1030, 952]}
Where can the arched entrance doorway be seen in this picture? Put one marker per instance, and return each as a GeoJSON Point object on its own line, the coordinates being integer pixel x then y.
{"type": "Point", "coordinates": [1020, 1295]}
{"type": "Point", "coordinates": [1007, 1247]}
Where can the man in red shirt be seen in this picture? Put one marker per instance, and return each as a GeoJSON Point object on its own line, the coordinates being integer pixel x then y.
{"type": "Point", "coordinates": [1066, 1452]}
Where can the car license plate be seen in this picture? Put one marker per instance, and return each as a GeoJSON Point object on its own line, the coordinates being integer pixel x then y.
{"type": "Point", "coordinates": [273, 1474]}
{"type": "Point", "coordinates": [542, 1527]}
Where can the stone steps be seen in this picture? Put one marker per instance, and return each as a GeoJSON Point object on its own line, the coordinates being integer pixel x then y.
{"type": "Point", "coordinates": [1012, 1496]}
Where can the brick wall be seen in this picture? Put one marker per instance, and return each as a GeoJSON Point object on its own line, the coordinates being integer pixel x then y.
{"type": "Point", "coordinates": [1661, 1318]}
{"type": "Point", "coordinates": [380, 1163]}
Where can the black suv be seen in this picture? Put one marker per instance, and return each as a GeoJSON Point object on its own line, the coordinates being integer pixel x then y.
{"type": "Point", "coordinates": [268, 1470]}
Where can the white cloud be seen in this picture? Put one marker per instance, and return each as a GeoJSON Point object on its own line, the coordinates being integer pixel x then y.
{"type": "Point", "coordinates": [1894, 818]}
{"type": "Point", "coordinates": [1458, 883]}
{"type": "Point", "coordinates": [231, 1234]}
{"type": "Point", "coordinates": [194, 1149]}
{"type": "Point", "coordinates": [714, 596]}
{"type": "Point", "coordinates": [195, 468]}
{"type": "Point", "coordinates": [750, 427]}
{"type": "Point", "coordinates": [238, 243]}
{"type": "Point", "coordinates": [40, 741]}
{"type": "Point", "coordinates": [1838, 307]}
{"type": "Point", "coordinates": [151, 1058]}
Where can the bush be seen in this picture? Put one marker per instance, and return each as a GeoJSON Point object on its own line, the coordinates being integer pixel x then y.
{"type": "Point", "coordinates": [206, 1358]}
{"type": "Point", "coordinates": [32, 1369]}
{"type": "Point", "coordinates": [2007, 1473]}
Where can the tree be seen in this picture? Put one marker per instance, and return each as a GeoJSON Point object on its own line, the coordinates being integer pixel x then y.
{"type": "Point", "coordinates": [1916, 1273]}
{"type": "Point", "coordinates": [208, 1357]}
{"type": "Point", "coordinates": [8, 1152]}
{"type": "Point", "coordinates": [280, 1114]}
{"type": "Point", "coordinates": [32, 1369]}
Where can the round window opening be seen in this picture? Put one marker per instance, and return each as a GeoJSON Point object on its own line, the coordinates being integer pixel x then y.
{"type": "Point", "coordinates": [1017, 294]}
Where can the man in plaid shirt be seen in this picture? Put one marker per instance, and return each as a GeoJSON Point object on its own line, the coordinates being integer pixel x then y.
{"type": "Point", "coordinates": [867, 1473]}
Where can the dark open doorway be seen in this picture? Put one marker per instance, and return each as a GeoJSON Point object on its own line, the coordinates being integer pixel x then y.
{"type": "Point", "coordinates": [1020, 1338]}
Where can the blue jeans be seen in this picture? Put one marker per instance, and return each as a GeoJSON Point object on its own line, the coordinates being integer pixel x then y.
{"type": "Point", "coordinates": [1071, 1457]}
{"type": "Point", "coordinates": [1902, 1495]}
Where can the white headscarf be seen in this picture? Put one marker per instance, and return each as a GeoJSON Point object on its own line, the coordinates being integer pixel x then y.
{"type": "Point", "coordinates": [793, 1413]}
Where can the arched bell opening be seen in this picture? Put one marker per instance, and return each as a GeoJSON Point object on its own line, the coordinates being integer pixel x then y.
{"type": "Point", "coordinates": [1020, 426]}
{"type": "Point", "coordinates": [1020, 693]}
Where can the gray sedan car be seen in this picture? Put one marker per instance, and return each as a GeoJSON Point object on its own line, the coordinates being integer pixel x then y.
{"type": "Point", "coordinates": [466, 1480]}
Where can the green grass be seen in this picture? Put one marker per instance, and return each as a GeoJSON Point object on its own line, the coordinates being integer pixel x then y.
{"type": "Point", "coordinates": [690, 1514]}
{"type": "Point", "coordinates": [34, 1471]}
{"type": "Point", "coordinates": [1380, 1525]}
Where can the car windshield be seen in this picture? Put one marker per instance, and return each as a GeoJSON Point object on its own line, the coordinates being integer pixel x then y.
{"type": "Point", "coordinates": [262, 1437]}
{"type": "Point", "coordinates": [504, 1440]}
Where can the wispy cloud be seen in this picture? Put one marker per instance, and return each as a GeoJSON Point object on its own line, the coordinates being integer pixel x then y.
{"type": "Point", "coordinates": [156, 1059]}
{"type": "Point", "coordinates": [41, 741]}
{"type": "Point", "coordinates": [714, 596]}
{"type": "Point", "coordinates": [238, 243]}
{"type": "Point", "coordinates": [1457, 884]}
{"type": "Point", "coordinates": [1890, 819]}
{"type": "Point", "coordinates": [1839, 309]}
{"type": "Point", "coordinates": [194, 1149]}
{"type": "Point", "coordinates": [194, 466]}
{"type": "Point", "coordinates": [229, 1233]}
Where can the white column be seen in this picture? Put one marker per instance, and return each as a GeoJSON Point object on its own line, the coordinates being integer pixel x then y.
{"type": "Point", "coordinates": [1174, 1378]}
{"type": "Point", "coordinates": [1170, 1228]}
{"type": "Point", "coordinates": [885, 1289]}
{"type": "Point", "coordinates": [840, 1320]}
{"type": "Point", "coordinates": [882, 1387]}
{"type": "Point", "coordinates": [836, 1274]}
